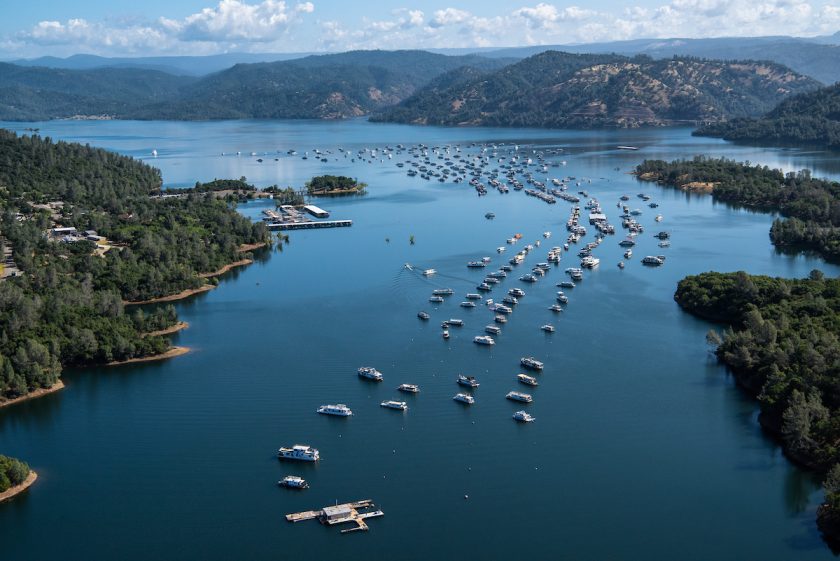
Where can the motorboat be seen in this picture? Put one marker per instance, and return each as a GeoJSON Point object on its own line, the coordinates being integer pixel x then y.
{"type": "Point", "coordinates": [527, 380]}
{"type": "Point", "coordinates": [339, 410]}
{"type": "Point", "coordinates": [408, 388]}
{"type": "Point", "coordinates": [548, 328]}
{"type": "Point", "coordinates": [370, 373]}
{"type": "Point", "coordinates": [391, 404]}
{"type": "Point", "coordinates": [293, 482]}
{"type": "Point", "coordinates": [468, 381]}
{"type": "Point", "coordinates": [299, 452]}
{"type": "Point", "coordinates": [523, 417]}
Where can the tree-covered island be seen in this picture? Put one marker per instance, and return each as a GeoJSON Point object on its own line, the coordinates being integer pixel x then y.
{"type": "Point", "coordinates": [334, 185]}
{"type": "Point", "coordinates": [85, 233]}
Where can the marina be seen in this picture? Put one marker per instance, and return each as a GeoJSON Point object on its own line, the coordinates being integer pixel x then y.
{"type": "Point", "coordinates": [356, 512]}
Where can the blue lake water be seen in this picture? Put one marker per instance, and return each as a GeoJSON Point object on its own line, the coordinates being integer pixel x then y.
{"type": "Point", "coordinates": [643, 448]}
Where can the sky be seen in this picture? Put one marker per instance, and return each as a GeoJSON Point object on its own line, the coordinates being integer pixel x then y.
{"type": "Point", "coordinates": [198, 27]}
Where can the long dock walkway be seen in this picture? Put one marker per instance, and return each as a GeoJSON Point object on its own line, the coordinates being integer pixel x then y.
{"type": "Point", "coordinates": [310, 224]}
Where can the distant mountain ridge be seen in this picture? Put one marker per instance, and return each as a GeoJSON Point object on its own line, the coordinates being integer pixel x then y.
{"type": "Point", "coordinates": [319, 87]}
{"type": "Point", "coordinates": [562, 90]}
{"type": "Point", "coordinates": [808, 118]}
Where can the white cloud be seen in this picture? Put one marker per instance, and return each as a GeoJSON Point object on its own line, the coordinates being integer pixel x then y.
{"type": "Point", "coordinates": [229, 24]}
{"type": "Point", "coordinates": [276, 25]}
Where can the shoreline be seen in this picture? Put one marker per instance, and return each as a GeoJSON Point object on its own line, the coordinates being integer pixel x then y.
{"type": "Point", "coordinates": [18, 489]}
{"type": "Point", "coordinates": [171, 353]}
{"type": "Point", "coordinates": [251, 247]}
{"type": "Point", "coordinates": [172, 297]}
{"type": "Point", "coordinates": [169, 330]}
{"type": "Point", "coordinates": [226, 268]}
{"type": "Point", "coordinates": [40, 392]}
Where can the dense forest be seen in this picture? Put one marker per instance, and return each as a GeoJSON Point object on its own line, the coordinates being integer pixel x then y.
{"type": "Point", "coordinates": [809, 118]}
{"type": "Point", "coordinates": [334, 185]}
{"type": "Point", "coordinates": [564, 90]}
{"type": "Point", "coordinates": [811, 206]}
{"type": "Point", "coordinates": [783, 346]}
{"type": "Point", "coordinates": [67, 308]}
{"type": "Point", "coordinates": [12, 472]}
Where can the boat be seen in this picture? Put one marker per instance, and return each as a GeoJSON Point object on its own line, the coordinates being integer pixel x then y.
{"type": "Point", "coordinates": [531, 362]}
{"type": "Point", "coordinates": [523, 417]}
{"type": "Point", "coordinates": [528, 278]}
{"type": "Point", "coordinates": [391, 404]}
{"type": "Point", "coordinates": [518, 292]}
{"type": "Point", "coordinates": [300, 452]}
{"type": "Point", "coordinates": [621, 264]}
{"type": "Point", "coordinates": [664, 243]}
{"type": "Point", "coordinates": [566, 284]}
{"type": "Point", "coordinates": [546, 235]}
{"type": "Point", "coordinates": [627, 242]}
{"type": "Point", "coordinates": [492, 329]}
{"type": "Point", "coordinates": [519, 396]}
{"type": "Point", "coordinates": [527, 380]}
{"type": "Point", "coordinates": [468, 381]}
{"type": "Point", "coordinates": [658, 218]}
{"type": "Point", "coordinates": [370, 373]}
{"type": "Point", "coordinates": [484, 287]}
{"type": "Point", "coordinates": [464, 398]}
{"type": "Point", "coordinates": [476, 264]}
{"type": "Point", "coordinates": [445, 334]}
{"type": "Point", "coordinates": [490, 216]}
{"type": "Point", "coordinates": [443, 292]}
{"type": "Point", "coordinates": [500, 319]}
{"type": "Point", "coordinates": [456, 322]}
{"type": "Point", "coordinates": [339, 410]}
{"type": "Point", "coordinates": [628, 254]}
{"type": "Point", "coordinates": [484, 340]}
{"type": "Point", "coordinates": [429, 272]}
{"type": "Point", "coordinates": [548, 328]}
{"type": "Point", "coordinates": [423, 315]}
{"type": "Point", "coordinates": [555, 308]}
{"type": "Point", "coordinates": [510, 300]}
{"type": "Point", "coordinates": [408, 388]}
{"type": "Point", "coordinates": [500, 249]}
{"type": "Point", "coordinates": [562, 298]}
{"type": "Point", "coordinates": [473, 296]}
{"type": "Point", "coordinates": [468, 304]}
{"type": "Point", "coordinates": [293, 482]}
{"type": "Point", "coordinates": [654, 260]}
{"type": "Point", "coordinates": [502, 309]}
{"type": "Point", "coordinates": [590, 262]}
{"type": "Point", "coordinates": [436, 299]}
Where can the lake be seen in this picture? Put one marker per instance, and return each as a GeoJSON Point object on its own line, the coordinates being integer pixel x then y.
{"type": "Point", "coordinates": [642, 447]}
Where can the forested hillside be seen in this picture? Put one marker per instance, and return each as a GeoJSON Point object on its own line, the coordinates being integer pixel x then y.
{"type": "Point", "coordinates": [67, 305]}
{"type": "Point", "coordinates": [811, 118]}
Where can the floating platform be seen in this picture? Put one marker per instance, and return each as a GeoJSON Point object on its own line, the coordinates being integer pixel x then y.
{"type": "Point", "coordinates": [307, 225]}
{"type": "Point", "coordinates": [341, 514]}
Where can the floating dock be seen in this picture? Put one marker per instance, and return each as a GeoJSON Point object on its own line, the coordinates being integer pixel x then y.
{"type": "Point", "coordinates": [309, 224]}
{"type": "Point", "coordinates": [341, 514]}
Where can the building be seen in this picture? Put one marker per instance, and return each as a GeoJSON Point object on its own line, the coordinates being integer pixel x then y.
{"type": "Point", "coordinates": [334, 514]}
{"type": "Point", "coordinates": [316, 212]}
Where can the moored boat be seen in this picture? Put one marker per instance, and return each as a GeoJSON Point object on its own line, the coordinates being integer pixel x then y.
{"type": "Point", "coordinates": [339, 410]}
{"type": "Point", "coordinates": [391, 404]}
{"type": "Point", "coordinates": [519, 396]}
{"type": "Point", "coordinates": [299, 452]}
{"type": "Point", "coordinates": [293, 482]}
{"type": "Point", "coordinates": [370, 373]}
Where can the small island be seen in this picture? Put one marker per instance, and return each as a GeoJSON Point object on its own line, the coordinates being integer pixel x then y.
{"type": "Point", "coordinates": [334, 186]}
{"type": "Point", "coordinates": [15, 477]}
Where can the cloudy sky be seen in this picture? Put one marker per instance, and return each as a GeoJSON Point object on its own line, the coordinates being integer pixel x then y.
{"type": "Point", "coordinates": [173, 27]}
